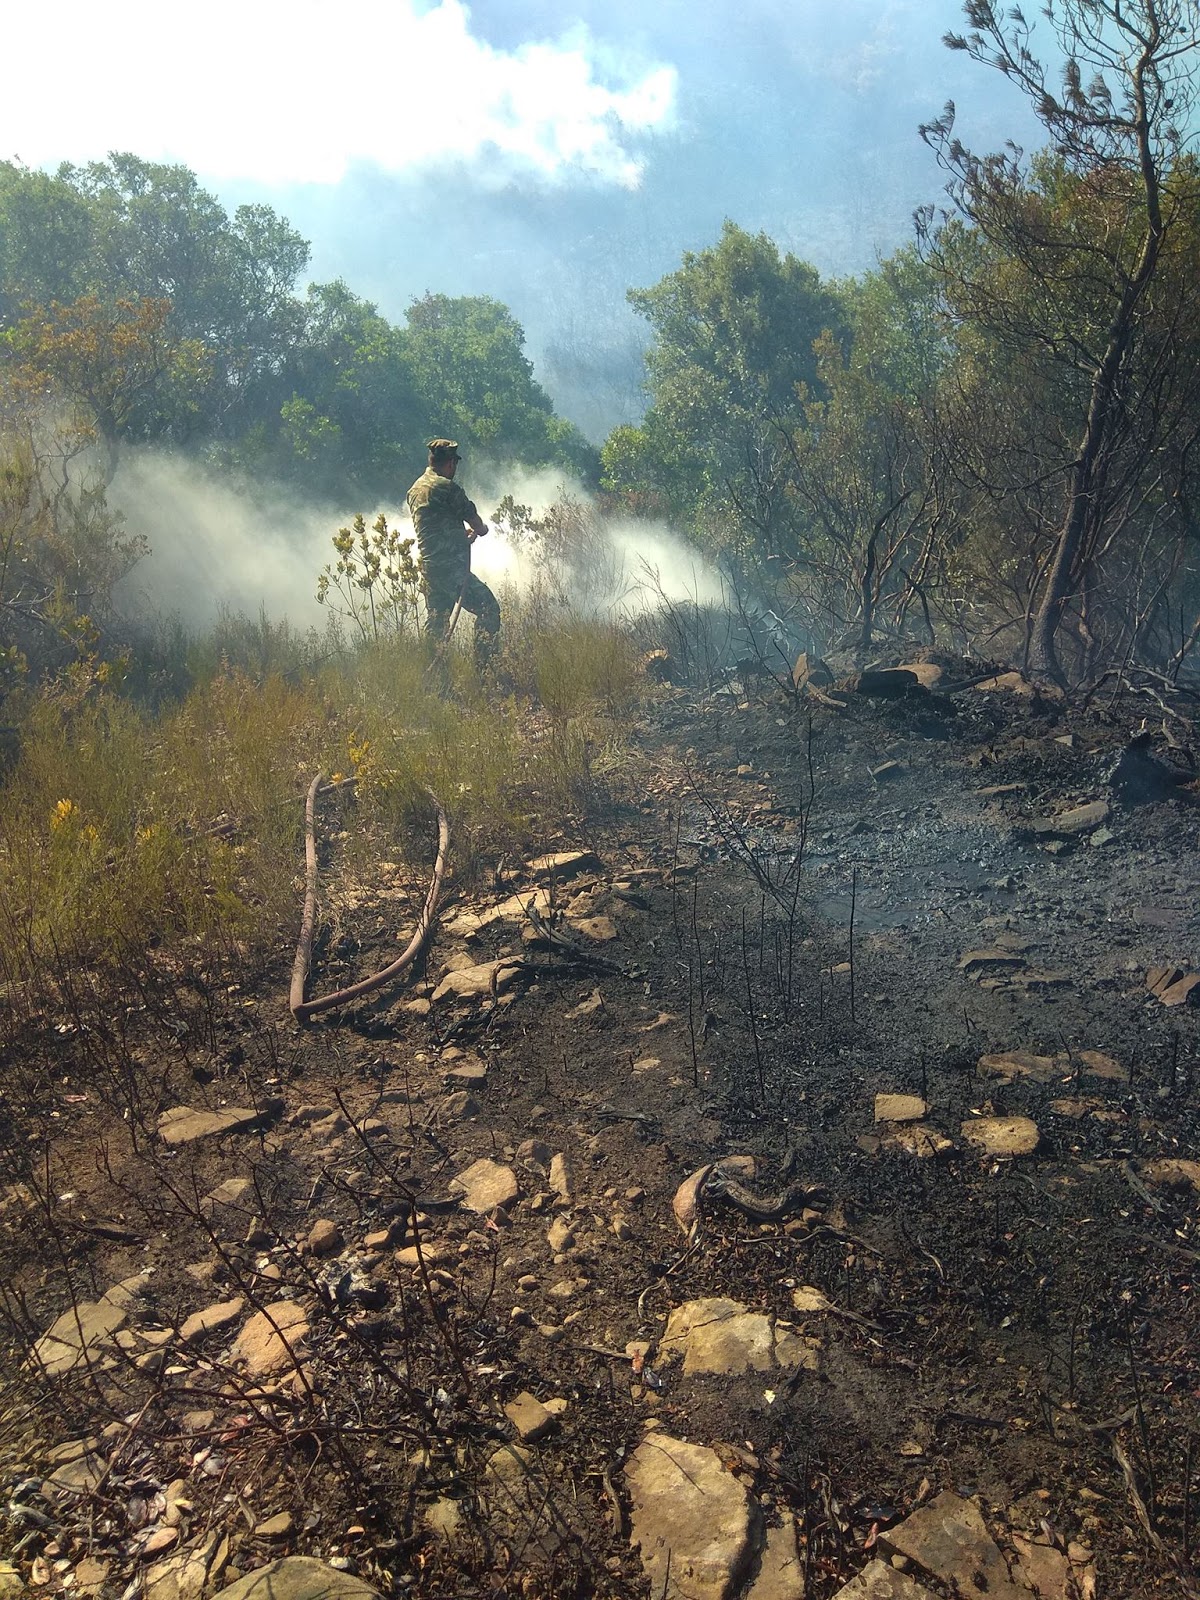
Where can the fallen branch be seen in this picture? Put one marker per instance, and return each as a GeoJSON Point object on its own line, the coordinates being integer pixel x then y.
{"type": "Point", "coordinates": [303, 1009]}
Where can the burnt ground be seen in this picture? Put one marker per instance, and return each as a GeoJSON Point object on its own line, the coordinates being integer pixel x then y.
{"type": "Point", "coordinates": [789, 941]}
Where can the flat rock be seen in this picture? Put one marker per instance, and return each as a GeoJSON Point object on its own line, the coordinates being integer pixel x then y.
{"type": "Point", "coordinates": [276, 1527]}
{"type": "Point", "coordinates": [82, 1475]}
{"type": "Point", "coordinates": [472, 983]}
{"type": "Point", "coordinates": [1186, 992]}
{"type": "Point", "coordinates": [919, 1139]}
{"type": "Point", "coordinates": [927, 673]}
{"type": "Point", "coordinates": [975, 963]}
{"type": "Point", "coordinates": [514, 909]}
{"type": "Point", "coordinates": [900, 1108]}
{"type": "Point", "coordinates": [181, 1576]}
{"type": "Point", "coordinates": [883, 683]}
{"type": "Point", "coordinates": [466, 1075]}
{"type": "Point", "coordinates": [1173, 1172]}
{"type": "Point", "coordinates": [213, 1319]}
{"type": "Point", "coordinates": [888, 771]}
{"type": "Point", "coordinates": [298, 1578]}
{"type": "Point", "coordinates": [878, 1581]}
{"type": "Point", "coordinates": [1008, 683]}
{"type": "Point", "coordinates": [1002, 1136]}
{"type": "Point", "coordinates": [183, 1125]}
{"type": "Point", "coordinates": [720, 1336]}
{"type": "Point", "coordinates": [262, 1347]}
{"type": "Point", "coordinates": [459, 1107]}
{"type": "Point", "coordinates": [781, 1571]}
{"type": "Point", "coordinates": [233, 1194]}
{"type": "Point", "coordinates": [692, 1521]}
{"type": "Point", "coordinates": [1068, 824]}
{"type": "Point", "coordinates": [486, 1186]}
{"type": "Point", "coordinates": [73, 1338]}
{"type": "Point", "coordinates": [564, 864]}
{"type": "Point", "coordinates": [1010, 1064]}
{"type": "Point", "coordinates": [530, 1418]}
{"type": "Point", "coordinates": [949, 1539]}
{"type": "Point", "coordinates": [600, 930]}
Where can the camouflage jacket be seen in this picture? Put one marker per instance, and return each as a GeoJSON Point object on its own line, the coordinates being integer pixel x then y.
{"type": "Point", "coordinates": [439, 508]}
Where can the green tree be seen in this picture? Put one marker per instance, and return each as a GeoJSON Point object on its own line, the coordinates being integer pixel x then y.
{"type": "Point", "coordinates": [468, 364]}
{"type": "Point", "coordinates": [730, 369]}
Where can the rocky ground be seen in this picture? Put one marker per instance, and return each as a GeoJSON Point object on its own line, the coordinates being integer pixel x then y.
{"type": "Point", "coordinates": [785, 1187]}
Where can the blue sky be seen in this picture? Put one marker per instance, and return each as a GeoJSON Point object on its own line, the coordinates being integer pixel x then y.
{"type": "Point", "coordinates": [551, 155]}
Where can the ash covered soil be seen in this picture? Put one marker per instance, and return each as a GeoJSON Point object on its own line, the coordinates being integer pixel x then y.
{"type": "Point", "coordinates": [785, 909]}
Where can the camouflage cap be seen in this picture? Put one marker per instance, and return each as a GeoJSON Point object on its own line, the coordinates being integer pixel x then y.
{"type": "Point", "coordinates": [442, 449]}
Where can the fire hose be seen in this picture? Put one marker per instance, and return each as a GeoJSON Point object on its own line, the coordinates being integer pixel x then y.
{"type": "Point", "coordinates": [301, 1008]}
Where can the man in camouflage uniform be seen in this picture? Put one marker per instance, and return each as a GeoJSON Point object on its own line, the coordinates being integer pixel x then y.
{"type": "Point", "coordinates": [442, 516]}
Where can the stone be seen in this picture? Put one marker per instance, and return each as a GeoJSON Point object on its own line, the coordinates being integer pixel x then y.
{"type": "Point", "coordinates": [1002, 1136]}
{"type": "Point", "coordinates": [810, 671]}
{"type": "Point", "coordinates": [878, 1581]}
{"type": "Point", "coordinates": [81, 1476]}
{"type": "Point", "coordinates": [330, 1127]}
{"type": "Point", "coordinates": [91, 1575]}
{"type": "Point", "coordinates": [600, 930]}
{"type": "Point", "coordinates": [383, 1238]}
{"type": "Point", "coordinates": [692, 1521]}
{"type": "Point", "coordinates": [183, 1125]}
{"type": "Point", "coordinates": [560, 1178]}
{"type": "Point", "coordinates": [262, 1347]}
{"type": "Point", "coordinates": [534, 1153]}
{"type": "Point", "coordinates": [900, 1108]}
{"type": "Point", "coordinates": [182, 1576]}
{"type": "Point", "coordinates": [719, 1336]}
{"type": "Point", "coordinates": [1007, 683]}
{"type": "Point", "coordinates": [1186, 992]}
{"type": "Point", "coordinates": [1173, 1172]}
{"type": "Point", "coordinates": [1068, 824]}
{"type": "Point", "coordinates": [298, 1578]}
{"type": "Point", "coordinates": [12, 1584]}
{"type": "Point", "coordinates": [530, 1418]}
{"type": "Point", "coordinates": [1044, 1567]}
{"type": "Point", "coordinates": [978, 962]}
{"type": "Point", "coordinates": [560, 1236]}
{"type": "Point", "coordinates": [949, 1539]}
{"type": "Point", "coordinates": [276, 1527]}
{"type": "Point", "coordinates": [444, 1517]}
{"type": "Point", "coordinates": [1160, 978]}
{"type": "Point", "coordinates": [888, 771]}
{"type": "Point", "coordinates": [486, 1186]}
{"type": "Point", "coordinates": [564, 864]}
{"type": "Point", "coordinates": [927, 673]}
{"type": "Point", "coordinates": [919, 1139]}
{"type": "Point", "coordinates": [517, 906]}
{"type": "Point", "coordinates": [74, 1337]}
{"type": "Point", "coordinates": [324, 1239]}
{"type": "Point", "coordinates": [884, 683]}
{"type": "Point", "coordinates": [468, 1075]}
{"type": "Point", "coordinates": [780, 1571]}
{"type": "Point", "coordinates": [433, 1255]}
{"type": "Point", "coordinates": [1010, 1064]}
{"type": "Point", "coordinates": [233, 1193]}
{"type": "Point", "coordinates": [213, 1319]}
{"type": "Point", "coordinates": [459, 1107]}
{"type": "Point", "coordinates": [474, 983]}
{"type": "Point", "coordinates": [162, 1538]}
{"type": "Point", "coordinates": [796, 1352]}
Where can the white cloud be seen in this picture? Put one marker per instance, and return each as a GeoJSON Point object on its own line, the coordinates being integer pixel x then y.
{"type": "Point", "coordinates": [295, 93]}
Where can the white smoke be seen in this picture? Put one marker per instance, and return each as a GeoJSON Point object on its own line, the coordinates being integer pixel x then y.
{"type": "Point", "coordinates": [217, 545]}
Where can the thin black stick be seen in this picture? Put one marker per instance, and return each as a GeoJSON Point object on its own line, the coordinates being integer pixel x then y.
{"type": "Point", "coordinates": [853, 908]}
{"type": "Point", "coordinates": [750, 1005]}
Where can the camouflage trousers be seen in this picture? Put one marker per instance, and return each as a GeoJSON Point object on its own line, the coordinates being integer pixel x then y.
{"type": "Point", "coordinates": [444, 589]}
